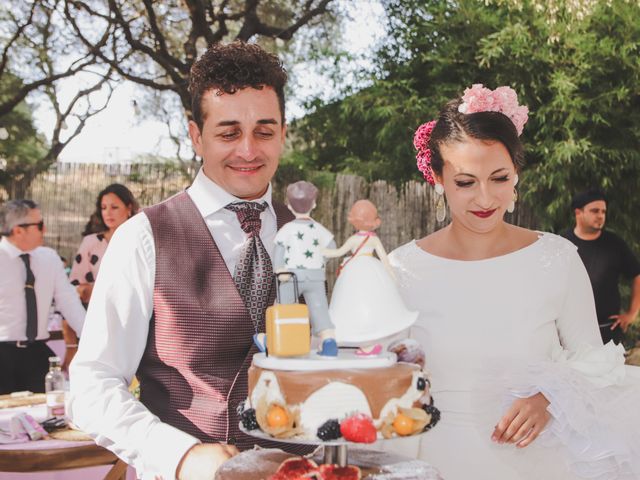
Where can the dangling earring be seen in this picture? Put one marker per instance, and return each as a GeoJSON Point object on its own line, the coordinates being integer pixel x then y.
{"type": "Point", "coordinates": [512, 206]}
{"type": "Point", "coordinates": [441, 208]}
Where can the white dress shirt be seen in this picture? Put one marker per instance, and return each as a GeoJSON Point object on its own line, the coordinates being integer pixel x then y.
{"type": "Point", "coordinates": [115, 337]}
{"type": "Point", "coordinates": [51, 283]}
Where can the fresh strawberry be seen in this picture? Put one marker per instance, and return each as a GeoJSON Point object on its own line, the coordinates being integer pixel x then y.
{"type": "Point", "coordinates": [359, 428]}
{"type": "Point", "coordinates": [334, 472]}
{"type": "Point", "coordinates": [294, 468]}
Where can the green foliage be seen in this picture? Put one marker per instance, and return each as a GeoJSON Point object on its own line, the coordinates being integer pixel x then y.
{"type": "Point", "coordinates": [22, 152]}
{"type": "Point", "coordinates": [632, 336]}
{"type": "Point", "coordinates": [295, 167]}
{"type": "Point", "coordinates": [579, 75]}
{"type": "Point", "coordinates": [580, 80]}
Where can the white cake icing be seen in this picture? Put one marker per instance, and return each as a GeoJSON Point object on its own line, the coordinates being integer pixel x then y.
{"type": "Point", "coordinates": [336, 400]}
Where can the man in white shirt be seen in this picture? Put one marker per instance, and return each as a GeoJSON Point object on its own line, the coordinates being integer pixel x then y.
{"type": "Point", "coordinates": [167, 306]}
{"type": "Point", "coordinates": [32, 277]}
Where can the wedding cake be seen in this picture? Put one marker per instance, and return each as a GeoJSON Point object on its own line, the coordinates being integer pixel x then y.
{"type": "Point", "coordinates": [352, 398]}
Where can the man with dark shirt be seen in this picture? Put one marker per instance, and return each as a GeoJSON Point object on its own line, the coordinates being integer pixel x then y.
{"type": "Point", "coordinates": [606, 257]}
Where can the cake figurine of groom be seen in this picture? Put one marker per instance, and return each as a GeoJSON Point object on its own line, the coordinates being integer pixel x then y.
{"type": "Point", "coordinates": [298, 250]}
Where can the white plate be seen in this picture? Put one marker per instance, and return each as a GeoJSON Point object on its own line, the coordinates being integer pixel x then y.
{"type": "Point", "coordinates": [346, 359]}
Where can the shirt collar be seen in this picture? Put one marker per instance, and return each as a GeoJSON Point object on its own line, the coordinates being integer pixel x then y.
{"type": "Point", "coordinates": [10, 248]}
{"type": "Point", "coordinates": [209, 197]}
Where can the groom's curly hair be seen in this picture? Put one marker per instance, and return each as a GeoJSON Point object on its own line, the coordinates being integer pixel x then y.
{"type": "Point", "coordinates": [232, 67]}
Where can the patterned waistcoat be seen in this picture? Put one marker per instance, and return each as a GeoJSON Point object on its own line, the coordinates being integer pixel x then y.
{"type": "Point", "coordinates": [193, 372]}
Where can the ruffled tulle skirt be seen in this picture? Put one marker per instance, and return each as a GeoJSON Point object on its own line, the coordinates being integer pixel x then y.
{"type": "Point", "coordinates": [594, 432]}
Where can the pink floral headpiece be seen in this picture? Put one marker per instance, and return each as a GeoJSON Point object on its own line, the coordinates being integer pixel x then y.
{"type": "Point", "coordinates": [502, 99]}
{"type": "Point", "coordinates": [475, 99]}
{"type": "Point", "coordinates": [423, 157]}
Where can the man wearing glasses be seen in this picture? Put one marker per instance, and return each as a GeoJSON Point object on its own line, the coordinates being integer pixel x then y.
{"type": "Point", "coordinates": [31, 277]}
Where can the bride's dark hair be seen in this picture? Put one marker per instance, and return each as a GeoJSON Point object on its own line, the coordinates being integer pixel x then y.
{"type": "Point", "coordinates": [453, 126]}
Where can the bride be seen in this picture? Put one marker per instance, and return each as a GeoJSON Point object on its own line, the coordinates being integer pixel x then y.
{"type": "Point", "coordinates": [507, 319]}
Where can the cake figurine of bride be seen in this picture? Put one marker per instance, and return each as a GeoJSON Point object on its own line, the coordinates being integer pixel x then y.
{"type": "Point", "coordinates": [299, 245]}
{"type": "Point", "coordinates": [366, 306]}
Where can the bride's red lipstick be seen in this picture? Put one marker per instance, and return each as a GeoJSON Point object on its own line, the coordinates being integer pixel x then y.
{"type": "Point", "coordinates": [483, 213]}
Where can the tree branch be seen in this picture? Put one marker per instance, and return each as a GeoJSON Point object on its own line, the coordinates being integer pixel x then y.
{"type": "Point", "coordinates": [278, 32]}
{"type": "Point", "coordinates": [157, 57]}
{"type": "Point", "coordinates": [57, 144]}
{"type": "Point", "coordinates": [8, 105]}
{"type": "Point", "coordinates": [199, 29]}
{"type": "Point", "coordinates": [114, 63]}
{"type": "Point", "coordinates": [147, 37]}
{"type": "Point", "coordinates": [15, 37]}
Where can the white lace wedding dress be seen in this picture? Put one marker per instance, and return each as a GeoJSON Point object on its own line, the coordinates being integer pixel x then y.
{"type": "Point", "coordinates": [511, 326]}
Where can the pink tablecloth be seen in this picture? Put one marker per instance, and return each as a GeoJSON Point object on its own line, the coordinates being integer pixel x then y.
{"type": "Point", "coordinates": [39, 412]}
{"type": "Point", "coordinates": [91, 473]}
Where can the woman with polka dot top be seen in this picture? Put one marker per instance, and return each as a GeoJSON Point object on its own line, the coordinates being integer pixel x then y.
{"type": "Point", "coordinates": [114, 205]}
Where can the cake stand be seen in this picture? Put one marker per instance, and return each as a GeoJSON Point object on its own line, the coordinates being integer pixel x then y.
{"type": "Point", "coordinates": [335, 452]}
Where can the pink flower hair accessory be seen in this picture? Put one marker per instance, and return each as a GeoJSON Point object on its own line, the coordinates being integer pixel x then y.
{"type": "Point", "coordinates": [503, 99]}
{"type": "Point", "coordinates": [421, 144]}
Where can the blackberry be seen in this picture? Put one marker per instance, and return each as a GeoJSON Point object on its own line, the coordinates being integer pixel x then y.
{"type": "Point", "coordinates": [329, 430]}
{"type": "Point", "coordinates": [435, 415]}
{"type": "Point", "coordinates": [248, 419]}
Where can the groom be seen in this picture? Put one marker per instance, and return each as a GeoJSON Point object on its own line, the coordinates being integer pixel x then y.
{"type": "Point", "coordinates": [183, 287]}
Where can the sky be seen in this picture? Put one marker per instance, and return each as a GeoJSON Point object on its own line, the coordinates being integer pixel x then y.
{"type": "Point", "coordinates": [119, 134]}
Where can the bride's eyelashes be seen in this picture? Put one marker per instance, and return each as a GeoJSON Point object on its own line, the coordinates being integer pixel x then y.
{"type": "Point", "coordinates": [464, 183]}
{"type": "Point", "coordinates": [468, 183]}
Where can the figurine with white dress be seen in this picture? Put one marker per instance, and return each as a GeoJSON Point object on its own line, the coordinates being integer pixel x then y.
{"type": "Point", "coordinates": [366, 306]}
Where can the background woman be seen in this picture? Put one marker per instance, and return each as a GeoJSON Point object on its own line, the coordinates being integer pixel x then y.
{"type": "Point", "coordinates": [507, 319]}
{"type": "Point", "coordinates": [114, 205]}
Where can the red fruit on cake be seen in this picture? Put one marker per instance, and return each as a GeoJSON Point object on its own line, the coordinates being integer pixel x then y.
{"type": "Point", "coordinates": [359, 428]}
{"type": "Point", "coordinates": [334, 472]}
{"type": "Point", "coordinates": [294, 469]}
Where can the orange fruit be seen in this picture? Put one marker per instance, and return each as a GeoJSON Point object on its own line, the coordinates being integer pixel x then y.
{"type": "Point", "coordinates": [277, 417]}
{"type": "Point", "coordinates": [403, 425]}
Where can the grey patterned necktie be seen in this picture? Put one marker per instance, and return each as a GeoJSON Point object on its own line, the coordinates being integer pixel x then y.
{"type": "Point", "coordinates": [254, 273]}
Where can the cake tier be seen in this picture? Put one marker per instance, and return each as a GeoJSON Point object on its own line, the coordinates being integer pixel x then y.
{"type": "Point", "coordinates": [301, 404]}
{"type": "Point", "coordinates": [378, 385]}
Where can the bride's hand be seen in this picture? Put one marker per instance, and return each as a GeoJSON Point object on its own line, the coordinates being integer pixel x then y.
{"type": "Point", "coordinates": [523, 422]}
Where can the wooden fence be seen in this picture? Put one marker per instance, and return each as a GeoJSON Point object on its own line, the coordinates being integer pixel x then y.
{"type": "Point", "coordinates": [67, 193]}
